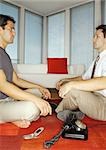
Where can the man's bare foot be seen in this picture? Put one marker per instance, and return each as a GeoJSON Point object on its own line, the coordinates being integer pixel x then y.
{"type": "Point", "coordinates": [22, 123]}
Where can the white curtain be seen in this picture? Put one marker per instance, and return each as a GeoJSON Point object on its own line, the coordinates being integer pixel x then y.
{"type": "Point", "coordinates": [56, 35]}
{"type": "Point", "coordinates": [33, 38]}
{"type": "Point", "coordinates": [81, 51]}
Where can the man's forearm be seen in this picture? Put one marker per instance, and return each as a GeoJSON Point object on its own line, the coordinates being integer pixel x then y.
{"type": "Point", "coordinates": [94, 84]}
{"type": "Point", "coordinates": [76, 78]}
{"type": "Point", "coordinates": [71, 79]}
{"type": "Point", "coordinates": [26, 84]}
{"type": "Point", "coordinates": [15, 92]}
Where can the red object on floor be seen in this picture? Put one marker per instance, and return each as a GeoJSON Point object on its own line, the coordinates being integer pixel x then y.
{"type": "Point", "coordinates": [96, 136]}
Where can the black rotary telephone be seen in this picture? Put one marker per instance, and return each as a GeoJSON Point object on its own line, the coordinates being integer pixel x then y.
{"type": "Point", "coordinates": [76, 129]}
{"type": "Point", "coordinates": [72, 129]}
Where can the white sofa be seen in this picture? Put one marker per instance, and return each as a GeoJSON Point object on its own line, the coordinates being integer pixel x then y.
{"type": "Point", "coordinates": [38, 73]}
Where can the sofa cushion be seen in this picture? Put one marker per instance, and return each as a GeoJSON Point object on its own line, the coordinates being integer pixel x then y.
{"type": "Point", "coordinates": [57, 65]}
{"type": "Point", "coordinates": [46, 80]}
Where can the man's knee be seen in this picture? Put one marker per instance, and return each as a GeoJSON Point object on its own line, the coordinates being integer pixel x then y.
{"type": "Point", "coordinates": [74, 93]}
{"type": "Point", "coordinates": [77, 91]}
{"type": "Point", "coordinates": [77, 97]}
{"type": "Point", "coordinates": [31, 111]}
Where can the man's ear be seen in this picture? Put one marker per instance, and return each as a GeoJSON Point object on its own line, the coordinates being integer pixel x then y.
{"type": "Point", "coordinates": [1, 29]}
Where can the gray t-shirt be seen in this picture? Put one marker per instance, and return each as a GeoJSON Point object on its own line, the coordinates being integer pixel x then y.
{"type": "Point", "coordinates": [6, 66]}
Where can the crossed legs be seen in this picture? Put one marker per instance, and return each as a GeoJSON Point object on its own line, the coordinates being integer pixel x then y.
{"type": "Point", "coordinates": [20, 113]}
{"type": "Point", "coordinates": [91, 104]}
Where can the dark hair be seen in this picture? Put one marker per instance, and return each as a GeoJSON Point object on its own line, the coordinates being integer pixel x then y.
{"type": "Point", "coordinates": [103, 27]}
{"type": "Point", "coordinates": [4, 19]}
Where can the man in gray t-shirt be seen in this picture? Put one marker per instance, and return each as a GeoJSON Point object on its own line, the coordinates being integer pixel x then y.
{"type": "Point", "coordinates": [17, 105]}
